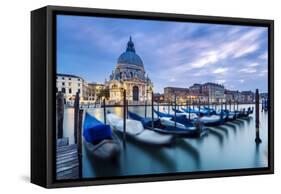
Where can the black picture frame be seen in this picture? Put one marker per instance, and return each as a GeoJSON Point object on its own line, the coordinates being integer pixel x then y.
{"type": "Point", "coordinates": [43, 74]}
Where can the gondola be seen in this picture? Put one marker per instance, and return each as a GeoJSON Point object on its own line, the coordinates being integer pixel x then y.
{"type": "Point", "coordinates": [180, 112]}
{"type": "Point", "coordinates": [210, 120]}
{"type": "Point", "coordinates": [168, 126]}
{"type": "Point", "coordinates": [99, 139]}
{"type": "Point", "coordinates": [245, 113]}
{"type": "Point", "coordinates": [136, 131]}
{"type": "Point", "coordinates": [177, 110]}
{"type": "Point", "coordinates": [209, 110]}
{"type": "Point", "coordinates": [176, 118]}
{"type": "Point", "coordinates": [146, 122]}
{"type": "Point", "coordinates": [199, 112]}
{"type": "Point", "coordinates": [223, 114]}
{"type": "Point", "coordinates": [182, 119]}
{"type": "Point", "coordinates": [158, 122]}
{"type": "Point", "coordinates": [231, 115]}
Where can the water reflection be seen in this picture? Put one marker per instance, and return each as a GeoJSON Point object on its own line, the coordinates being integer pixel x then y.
{"type": "Point", "coordinates": [256, 155]}
{"type": "Point", "coordinates": [224, 129]}
{"type": "Point", "coordinates": [155, 153]}
{"type": "Point", "coordinates": [192, 151]}
{"type": "Point", "coordinates": [103, 168]}
{"type": "Point", "coordinates": [229, 146]}
{"type": "Point", "coordinates": [231, 126]}
{"type": "Point", "coordinates": [239, 122]}
{"type": "Point", "coordinates": [217, 134]}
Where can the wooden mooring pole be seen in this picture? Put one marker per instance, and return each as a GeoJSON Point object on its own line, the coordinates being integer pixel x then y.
{"type": "Point", "coordinates": [60, 114]}
{"type": "Point", "coordinates": [124, 115]}
{"type": "Point", "coordinates": [152, 110]}
{"type": "Point", "coordinates": [127, 109]}
{"type": "Point", "coordinates": [79, 142]}
{"type": "Point", "coordinates": [169, 103]}
{"type": "Point", "coordinates": [189, 111]}
{"type": "Point", "coordinates": [175, 114]}
{"type": "Point", "coordinates": [258, 139]}
{"type": "Point", "coordinates": [193, 105]}
{"type": "Point", "coordinates": [209, 106]}
{"type": "Point", "coordinates": [221, 116]}
{"type": "Point", "coordinates": [104, 111]}
{"type": "Point", "coordinates": [145, 108]}
{"type": "Point", "coordinates": [76, 115]}
{"type": "Point", "coordinates": [158, 109]}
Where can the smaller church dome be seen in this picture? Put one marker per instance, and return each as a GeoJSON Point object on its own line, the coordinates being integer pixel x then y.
{"type": "Point", "coordinates": [130, 56]}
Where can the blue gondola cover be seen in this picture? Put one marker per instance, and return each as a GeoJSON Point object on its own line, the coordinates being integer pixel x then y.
{"type": "Point", "coordinates": [94, 130]}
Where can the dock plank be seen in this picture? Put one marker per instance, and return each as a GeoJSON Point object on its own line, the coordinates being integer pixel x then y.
{"type": "Point", "coordinates": [67, 163]}
{"type": "Point", "coordinates": [63, 141]}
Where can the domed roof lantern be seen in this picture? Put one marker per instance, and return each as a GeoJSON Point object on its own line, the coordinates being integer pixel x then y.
{"type": "Point", "coordinates": [130, 56]}
{"type": "Point", "coordinates": [130, 46]}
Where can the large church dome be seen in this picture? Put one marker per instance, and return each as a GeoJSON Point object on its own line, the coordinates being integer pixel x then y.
{"type": "Point", "coordinates": [130, 56]}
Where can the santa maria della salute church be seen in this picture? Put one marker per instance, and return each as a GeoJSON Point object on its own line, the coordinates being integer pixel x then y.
{"type": "Point", "coordinates": [129, 74]}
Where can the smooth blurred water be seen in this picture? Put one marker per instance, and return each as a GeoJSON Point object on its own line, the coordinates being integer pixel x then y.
{"type": "Point", "coordinates": [229, 146]}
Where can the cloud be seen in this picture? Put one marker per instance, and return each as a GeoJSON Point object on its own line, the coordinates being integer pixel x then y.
{"type": "Point", "coordinates": [207, 58]}
{"type": "Point", "coordinates": [172, 79]}
{"type": "Point", "coordinates": [216, 50]}
{"type": "Point", "coordinates": [253, 64]}
{"type": "Point", "coordinates": [220, 81]}
{"type": "Point", "coordinates": [244, 51]}
{"type": "Point", "coordinates": [264, 56]}
{"type": "Point", "coordinates": [263, 72]}
{"type": "Point", "coordinates": [220, 70]}
{"type": "Point", "coordinates": [248, 70]}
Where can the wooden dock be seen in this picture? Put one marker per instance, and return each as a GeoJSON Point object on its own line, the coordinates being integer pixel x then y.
{"type": "Point", "coordinates": [68, 157]}
{"type": "Point", "coordinates": [67, 161]}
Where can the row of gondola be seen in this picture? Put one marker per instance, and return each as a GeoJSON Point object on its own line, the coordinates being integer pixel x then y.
{"type": "Point", "coordinates": [101, 141]}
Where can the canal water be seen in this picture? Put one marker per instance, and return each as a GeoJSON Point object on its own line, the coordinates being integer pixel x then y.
{"type": "Point", "coordinates": [229, 146]}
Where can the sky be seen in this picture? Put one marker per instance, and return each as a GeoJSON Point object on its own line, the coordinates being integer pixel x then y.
{"type": "Point", "coordinates": [175, 54]}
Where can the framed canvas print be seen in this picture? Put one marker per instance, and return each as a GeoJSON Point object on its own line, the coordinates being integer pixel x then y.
{"type": "Point", "coordinates": [125, 96]}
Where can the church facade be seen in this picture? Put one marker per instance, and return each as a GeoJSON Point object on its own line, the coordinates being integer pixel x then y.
{"type": "Point", "coordinates": [129, 74]}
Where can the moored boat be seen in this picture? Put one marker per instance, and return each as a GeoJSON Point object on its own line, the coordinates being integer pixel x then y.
{"type": "Point", "coordinates": [212, 120]}
{"type": "Point", "coordinates": [136, 131]}
{"type": "Point", "coordinates": [209, 117]}
{"type": "Point", "coordinates": [168, 126]}
{"type": "Point", "coordinates": [176, 118]}
{"type": "Point", "coordinates": [199, 112]}
{"type": "Point", "coordinates": [245, 113]}
{"type": "Point", "coordinates": [99, 139]}
{"type": "Point", "coordinates": [231, 115]}
{"type": "Point", "coordinates": [188, 115]}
